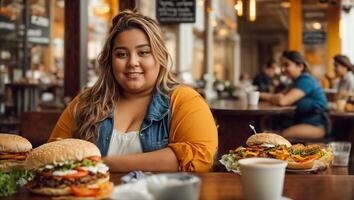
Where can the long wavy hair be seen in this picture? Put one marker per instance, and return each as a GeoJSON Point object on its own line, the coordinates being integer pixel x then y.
{"type": "Point", "coordinates": [96, 103]}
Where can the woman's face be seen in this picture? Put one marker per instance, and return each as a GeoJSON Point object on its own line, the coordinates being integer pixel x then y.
{"type": "Point", "coordinates": [290, 68]}
{"type": "Point", "coordinates": [134, 66]}
{"type": "Point", "coordinates": [340, 70]}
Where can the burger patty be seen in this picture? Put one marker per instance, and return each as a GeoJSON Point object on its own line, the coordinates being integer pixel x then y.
{"type": "Point", "coordinates": [40, 181]}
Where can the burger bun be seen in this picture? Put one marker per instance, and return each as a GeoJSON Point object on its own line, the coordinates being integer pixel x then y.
{"type": "Point", "coordinates": [267, 138]}
{"type": "Point", "coordinates": [303, 165]}
{"type": "Point", "coordinates": [60, 151]}
{"type": "Point", "coordinates": [7, 165]}
{"type": "Point", "coordinates": [14, 143]}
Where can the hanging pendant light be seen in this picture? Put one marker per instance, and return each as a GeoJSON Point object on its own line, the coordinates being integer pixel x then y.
{"type": "Point", "coordinates": [239, 8]}
{"type": "Point", "coordinates": [252, 9]}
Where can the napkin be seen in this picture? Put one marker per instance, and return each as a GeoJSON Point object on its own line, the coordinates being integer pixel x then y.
{"type": "Point", "coordinates": [132, 191]}
{"type": "Point", "coordinates": [134, 176]}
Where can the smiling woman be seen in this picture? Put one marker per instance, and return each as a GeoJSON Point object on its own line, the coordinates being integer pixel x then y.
{"type": "Point", "coordinates": [137, 113]}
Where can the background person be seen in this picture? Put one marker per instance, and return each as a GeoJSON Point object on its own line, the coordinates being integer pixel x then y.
{"type": "Point", "coordinates": [138, 115]}
{"type": "Point", "coordinates": [344, 70]}
{"type": "Point", "coordinates": [265, 81]}
{"type": "Point", "coordinates": [311, 120]}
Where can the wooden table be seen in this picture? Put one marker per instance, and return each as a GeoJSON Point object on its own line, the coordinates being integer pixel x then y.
{"type": "Point", "coordinates": [233, 118]}
{"type": "Point", "coordinates": [233, 107]}
{"type": "Point", "coordinates": [225, 186]}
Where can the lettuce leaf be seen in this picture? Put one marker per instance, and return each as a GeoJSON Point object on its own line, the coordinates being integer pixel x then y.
{"type": "Point", "coordinates": [10, 182]}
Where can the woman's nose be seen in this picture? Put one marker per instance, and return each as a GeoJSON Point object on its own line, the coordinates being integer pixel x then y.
{"type": "Point", "coordinates": [133, 60]}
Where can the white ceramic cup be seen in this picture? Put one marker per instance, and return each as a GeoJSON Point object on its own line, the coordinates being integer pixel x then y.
{"type": "Point", "coordinates": [253, 98]}
{"type": "Point", "coordinates": [262, 178]}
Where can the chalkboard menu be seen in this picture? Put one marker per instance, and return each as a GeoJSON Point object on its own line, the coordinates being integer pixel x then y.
{"type": "Point", "coordinates": [39, 23]}
{"type": "Point", "coordinates": [12, 23]}
{"type": "Point", "coordinates": [38, 31]}
{"type": "Point", "coordinates": [313, 37]}
{"type": "Point", "coordinates": [8, 23]}
{"type": "Point", "coordinates": [175, 11]}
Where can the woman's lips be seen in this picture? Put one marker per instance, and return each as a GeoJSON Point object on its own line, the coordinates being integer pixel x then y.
{"type": "Point", "coordinates": [133, 74]}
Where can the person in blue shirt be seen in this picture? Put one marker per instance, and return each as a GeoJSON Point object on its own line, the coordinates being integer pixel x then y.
{"type": "Point", "coordinates": [265, 80]}
{"type": "Point", "coordinates": [311, 120]}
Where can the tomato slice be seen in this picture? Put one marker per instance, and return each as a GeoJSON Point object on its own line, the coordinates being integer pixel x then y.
{"type": "Point", "coordinates": [94, 158]}
{"type": "Point", "coordinates": [79, 174]}
{"type": "Point", "coordinates": [81, 169]}
{"type": "Point", "coordinates": [84, 191]}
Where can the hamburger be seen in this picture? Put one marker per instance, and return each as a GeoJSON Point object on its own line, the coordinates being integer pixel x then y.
{"type": "Point", "coordinates": [270, 145]}
{"type": "Point", "coordinates": [70, 169]}
{"type": "Point", "coordinates": [13, 151]}
{"type": "Point", "coordinates": [264, 145]}
{"type": "Point", "coordinates": [305, 157]}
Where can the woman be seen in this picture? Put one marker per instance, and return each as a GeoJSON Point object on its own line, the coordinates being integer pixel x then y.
{"type": "Point", "coordinates": [139, 116]}
{"type": "Point", "coordinates": [306, 94]}
{"type": "Point", "coordinates": [343, 68]}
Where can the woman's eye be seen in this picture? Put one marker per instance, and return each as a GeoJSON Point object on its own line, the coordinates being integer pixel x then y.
{"type": "Point", "coordinates": [121, 55]}
{"type": "Point", "coordinates": [144, 53]}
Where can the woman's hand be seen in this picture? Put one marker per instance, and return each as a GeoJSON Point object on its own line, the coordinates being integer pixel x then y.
{"type": "Point", "coordinates": [163, 160]}
{"type": "Point", "coordinates": [277, 99]}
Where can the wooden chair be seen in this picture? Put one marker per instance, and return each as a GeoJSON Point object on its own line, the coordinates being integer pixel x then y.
{"type": "Point", "coordinates": [37, 126]}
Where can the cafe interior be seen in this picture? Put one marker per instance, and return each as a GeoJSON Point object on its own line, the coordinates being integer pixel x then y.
{"type": "Point", "coordinates": [230, 51]}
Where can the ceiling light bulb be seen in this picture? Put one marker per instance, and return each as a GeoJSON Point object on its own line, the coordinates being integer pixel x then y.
{"type": "Point", "coordinates": [316, 26]}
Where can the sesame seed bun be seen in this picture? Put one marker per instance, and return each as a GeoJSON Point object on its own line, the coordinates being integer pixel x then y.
{"type": "Point", "coordinates": [7, 165]}
{"type": "Point", "coordinates": [14, 143]}
{"type": "Point", "coordinates": [267, 138]}
{"type": "Point", "coordinates": [60, 151]}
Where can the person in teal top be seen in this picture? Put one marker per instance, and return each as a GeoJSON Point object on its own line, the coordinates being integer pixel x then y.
{"type": "Point", "coordinates": [311, 120]}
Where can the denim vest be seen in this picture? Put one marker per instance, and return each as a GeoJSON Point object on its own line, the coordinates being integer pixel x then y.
{"type": "Point", "coordinates": [154, 131]}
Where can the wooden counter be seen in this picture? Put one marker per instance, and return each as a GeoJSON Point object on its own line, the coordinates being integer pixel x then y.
{"type": "Point", "coordinates": [221, 186]}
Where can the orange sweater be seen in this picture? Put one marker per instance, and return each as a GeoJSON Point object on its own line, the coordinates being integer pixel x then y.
{"type": "Point", "coordinates": [193, 134]}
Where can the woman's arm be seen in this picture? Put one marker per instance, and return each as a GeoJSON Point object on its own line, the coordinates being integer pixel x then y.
{"type": "Point", "coordinates": [65, 125]}
{"type": "Point", "coordinates": [193, 132]}
{"type": "Point", "coordinates": [288, 98]}
{"type": "Point", "coordinates": [265, 96]}
{"type": "Point", "coordinates": [163, 160]}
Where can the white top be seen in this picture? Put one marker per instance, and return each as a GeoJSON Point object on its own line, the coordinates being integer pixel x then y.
{"type": "Point", "coordinates": [346, 84]}
{"type": "Point", "coordinates": [124, 143]}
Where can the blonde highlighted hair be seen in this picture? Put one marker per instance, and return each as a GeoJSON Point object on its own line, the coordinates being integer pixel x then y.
{"type": "Point", "coordinates": [96, 103]}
